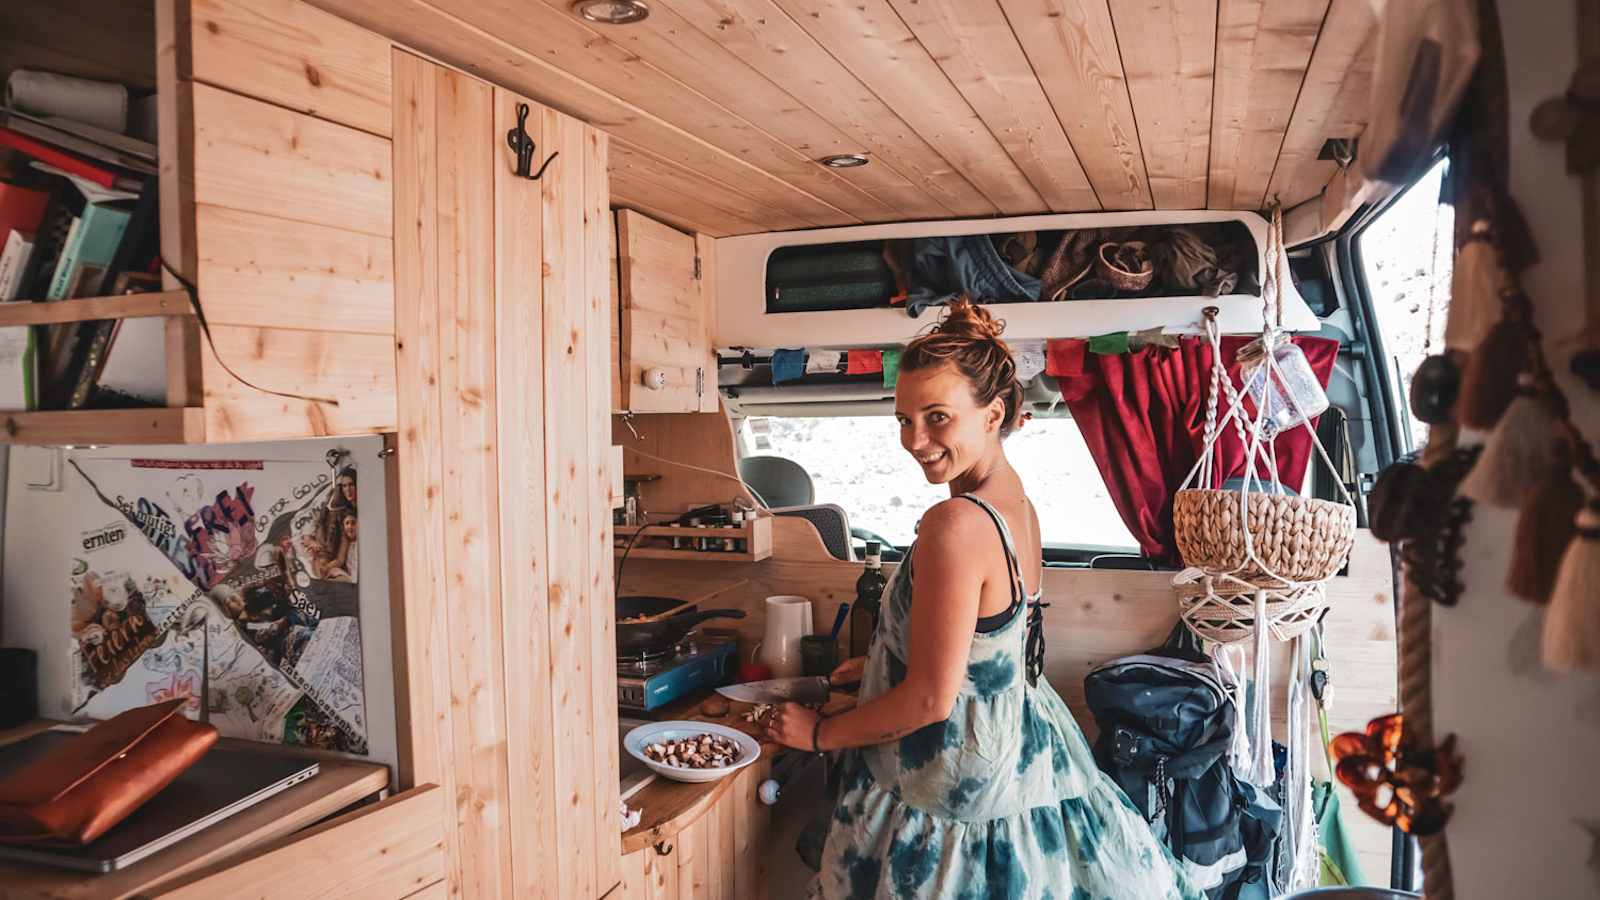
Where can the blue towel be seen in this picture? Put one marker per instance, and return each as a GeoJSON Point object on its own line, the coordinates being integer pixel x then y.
{"type": "Point", "coordinates": [788, 365]}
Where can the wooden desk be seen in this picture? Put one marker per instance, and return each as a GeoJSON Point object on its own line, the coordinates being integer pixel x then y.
{"type": "Point", "coordinates": [337, 785]}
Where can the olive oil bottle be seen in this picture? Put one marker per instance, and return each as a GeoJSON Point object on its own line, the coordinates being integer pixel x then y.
{"type": "Point", "coordinates": [869, 598]}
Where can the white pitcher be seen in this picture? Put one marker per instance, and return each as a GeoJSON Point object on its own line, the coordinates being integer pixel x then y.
{"type": "Point", "coordinates": [788, 620]}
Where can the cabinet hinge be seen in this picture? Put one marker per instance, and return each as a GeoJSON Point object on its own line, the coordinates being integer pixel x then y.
{"type": "Point", "coordinates": [699, 381]}
{"type": "Point", "coordinates": [697, 268]}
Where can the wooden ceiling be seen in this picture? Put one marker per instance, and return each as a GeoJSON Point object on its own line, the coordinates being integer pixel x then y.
{"type": "Point", "coordinates": [719, 109]}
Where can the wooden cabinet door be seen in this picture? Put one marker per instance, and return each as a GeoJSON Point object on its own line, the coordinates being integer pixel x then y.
{"type": "Point", "coordinates": [663, 297]}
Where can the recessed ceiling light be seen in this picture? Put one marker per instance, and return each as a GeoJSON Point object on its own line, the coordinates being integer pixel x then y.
{"type": "Point", "coordinates": [612, 12]}
{"type": "Point", "coordinates": [844, 161]}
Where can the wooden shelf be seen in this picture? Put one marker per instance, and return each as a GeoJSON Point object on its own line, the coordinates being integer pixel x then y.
{"type": "Point", "coordinates": [756, 534]}
{"type": "Point", "coordinates": [180, 425]}
{"type": "Point", "coordinates": [88, 309]}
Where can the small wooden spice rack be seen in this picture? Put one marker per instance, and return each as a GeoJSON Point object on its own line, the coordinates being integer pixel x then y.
{"type": "Point", "coordinates": [656, 543]}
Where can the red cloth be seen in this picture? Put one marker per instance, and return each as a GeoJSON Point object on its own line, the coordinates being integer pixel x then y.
{"type": "Point", "coordinates": [1143, 416]}
{"type": "Point", "coordinates": [863, 362]}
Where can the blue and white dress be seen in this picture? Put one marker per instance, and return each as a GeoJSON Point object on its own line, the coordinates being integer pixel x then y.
{"type": "Point", "coordinates": [1000, 800]}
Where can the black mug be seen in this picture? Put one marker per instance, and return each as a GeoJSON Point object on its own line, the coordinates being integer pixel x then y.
{"type": "Point", "coordinates": [819, 654]}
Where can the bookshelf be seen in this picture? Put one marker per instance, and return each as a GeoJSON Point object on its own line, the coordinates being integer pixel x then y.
{"type": "Point", "coordinates": [156, 425]}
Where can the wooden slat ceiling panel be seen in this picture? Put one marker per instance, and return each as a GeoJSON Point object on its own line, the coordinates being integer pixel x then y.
{"type": "Point", "coordinates": [1073, 52]}
{"type": "Point", "coordinates": [1263, 48]}
{"type": "Point", "coordinates": [721, 109]}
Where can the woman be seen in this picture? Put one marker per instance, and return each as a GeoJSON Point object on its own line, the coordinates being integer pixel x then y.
{"type": "Point", "coordinates": [963, 776]}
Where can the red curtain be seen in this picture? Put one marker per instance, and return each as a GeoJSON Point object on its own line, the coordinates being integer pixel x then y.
{"type": "Point", "coordinates": [1143, 416]}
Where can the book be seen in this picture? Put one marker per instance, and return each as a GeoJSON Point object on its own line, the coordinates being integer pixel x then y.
{"type": "Point", "coordinates": [13, 261]}
{"type": "Point", "coordinates": [66, 203]}
{"type": "Point", "coordinates": [110, 140]}
{"type": "Point", "coordinates": [21, 209]}
{"type": "Point", "coordinates": [100, 174]}
{"type": "Point", "coordinates": [88, 251]}
{"type": "Point", "coordinates": [17, 369]}
{"type": "Point", "coordinates": [81, 146]}
{"type": "Point", "coordinates": [124, 274]}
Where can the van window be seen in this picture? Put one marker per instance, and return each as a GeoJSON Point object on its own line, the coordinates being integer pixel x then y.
{"type": "Point", "coordinates": [858, 463]}
{"type": "Point", "coordinates": [1405, 255]}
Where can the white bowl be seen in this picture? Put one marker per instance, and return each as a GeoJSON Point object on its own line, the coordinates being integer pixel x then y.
{"type": "Point", "coordinates": [656, 732]}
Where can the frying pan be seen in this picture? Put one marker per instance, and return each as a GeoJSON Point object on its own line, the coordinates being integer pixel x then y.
{"type": "Point", "coordinates": [637, 638]}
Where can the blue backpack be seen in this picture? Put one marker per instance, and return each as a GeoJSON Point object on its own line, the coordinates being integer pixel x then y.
{"type": "Point", "coordinates": [1166, 721]}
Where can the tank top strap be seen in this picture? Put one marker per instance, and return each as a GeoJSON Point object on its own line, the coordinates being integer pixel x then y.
{"type": "Point", "coordinates": [1019, 591]}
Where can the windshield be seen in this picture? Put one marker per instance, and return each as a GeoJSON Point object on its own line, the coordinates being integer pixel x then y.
{"type": "Point", "coordinates": [857, 462]}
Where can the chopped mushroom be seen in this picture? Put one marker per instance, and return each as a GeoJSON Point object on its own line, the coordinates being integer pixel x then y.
{"type": "Point", "coordinates": [705, 751]}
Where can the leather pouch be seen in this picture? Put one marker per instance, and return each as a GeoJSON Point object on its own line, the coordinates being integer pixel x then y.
{"type": "Point", "coordinates": [99, 777]}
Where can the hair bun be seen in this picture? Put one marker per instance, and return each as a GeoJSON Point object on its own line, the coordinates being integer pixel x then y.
{"type": "Point", "coordinates": [964, 318]}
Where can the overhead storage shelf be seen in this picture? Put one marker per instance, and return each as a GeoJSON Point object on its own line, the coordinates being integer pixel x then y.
{"type": "Point", "coordinates": [88, 309]}
{"type": "Point", "coordinates": [157, 425]}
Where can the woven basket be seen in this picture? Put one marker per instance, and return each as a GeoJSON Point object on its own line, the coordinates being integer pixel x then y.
{"type": "Point", "coordinates": [1297, 538]}
{"type": "Point", "coordinates": [1222, 609]}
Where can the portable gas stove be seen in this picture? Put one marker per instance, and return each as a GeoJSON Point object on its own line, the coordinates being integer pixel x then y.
{"type": "Point", "coordinates": [694, 664]}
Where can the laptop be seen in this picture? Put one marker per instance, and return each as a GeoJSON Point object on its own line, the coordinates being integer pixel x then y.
{"type": "Point", "coordinates": [223, 782]}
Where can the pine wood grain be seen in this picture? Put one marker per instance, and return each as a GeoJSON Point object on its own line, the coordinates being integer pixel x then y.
{"type": "Point", "coordinates": [974, 44]}
{"type": "Point", "coordinates": [262, 158]}
{"type": "Point", "coordinates": [519, 330]}
{"type": "Point", "coordinates": [752, 828]}
{"type": "Point", "coordinates": [762, 35]}
{"type": "Point", "coordinates": [1332, 103]}
{"type": "Point", "coordinates": [596, 266]}
{"type": "Point", "coordinates": [1263, 49]}
{"type": "Point", "coordinates": [270, 272]}
{"type": "Point", "coordinates": [295, 55]}
{"type": "Point", "coordinates": [467, 148]}
{"type": "Point", "coordinates": [694, 860]}
{"type": "Point", "coordinates": [356, 370]}
{"type": "Point", "coordinates": [868, 39]}
{"type": "Point", "coordinates": [176, 133]}
{"type": "Point", "coordinates": [424, 712]}
{"type": "Point", "coordinates": [173, 425]}
{"type": "Point", "coordinates": [568, 497]}
{"type": "Point", "coordinates": [85, 309]}
{"type": "Point", "coordinates": [667, 48]}
{"type": "Point", "coordinates": [640, 177]}
{"type": "Point", "coordinates": [664, 317]}
{"type": "Point", "coordinates": [391, 849]}
{"type": "Point", "coordinates": [1168, 62]}
{"type": "Point", "coordinates": [452, 39]}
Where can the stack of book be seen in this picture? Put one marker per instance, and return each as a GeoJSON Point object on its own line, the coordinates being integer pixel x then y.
{"type": "Point", "coordinates": [79, 217]}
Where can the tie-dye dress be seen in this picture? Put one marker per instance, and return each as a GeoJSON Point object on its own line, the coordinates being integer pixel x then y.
{"type": "Point", "coordinates": [1001, 800]}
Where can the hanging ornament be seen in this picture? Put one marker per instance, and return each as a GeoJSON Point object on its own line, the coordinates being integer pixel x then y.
{"type": "Point", "coordinates": [1393, 510]}
{"type": "Point", "coordinates": [1489, 382]}
{"type": "Point", "coordinates": [1545, 525]}
{"type": "Point", "coordinates": [1395, 778]}
{"type": "Point", "coordinates": [1572, 623]}
{"type": "Point", "coordinates": [1477, 279]}
{"type": "Point", "coordinates": [1432, 556]}
{"type": "Point", "coordinates": [1520, 451]}
{"type": "Point", "coordinates": [1434, 389]}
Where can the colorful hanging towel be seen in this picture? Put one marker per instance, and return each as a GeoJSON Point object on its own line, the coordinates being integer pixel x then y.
{"type": "Point", "coordinates": [823, 361]}
{"type": "Point", "coordinates": [1064, 356]}
{"type": "Point", "coordinates": [891, 368]}
{"type": "Point", "coordinates": [1029, 357]}
{"type": "Point", "coordinates": [1109, 344]}
{"type": "Point", "coordinates": [788, 365]}
{"type": "Point", "coordinates": [864, 362]}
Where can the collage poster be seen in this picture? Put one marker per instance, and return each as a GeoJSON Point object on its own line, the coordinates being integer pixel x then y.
{"type": "Point", "coordinates": [231, 582]}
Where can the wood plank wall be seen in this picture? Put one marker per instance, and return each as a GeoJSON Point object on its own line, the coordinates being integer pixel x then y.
{"type": "Point", "coordinates": [287, 226]}
{"type": "Point", "coordinates": [503, 482]}
{"type": "Point", "coordinates": [1095, 615]}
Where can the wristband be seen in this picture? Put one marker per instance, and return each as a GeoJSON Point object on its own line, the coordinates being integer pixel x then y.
{"type": "Point", "coordinates": [816, 730]}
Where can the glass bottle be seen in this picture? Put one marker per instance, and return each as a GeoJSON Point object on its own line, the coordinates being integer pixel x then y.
{"type": "Point", "coordinates": [869, 599]}
{"type": "Point", "coordinates": [1290, 376]}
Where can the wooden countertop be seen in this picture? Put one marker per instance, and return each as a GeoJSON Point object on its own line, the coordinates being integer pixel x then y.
{"type": "Point", "coordinates": [667, 807]}
{"type": "Point", "coordinates": [338, 784]}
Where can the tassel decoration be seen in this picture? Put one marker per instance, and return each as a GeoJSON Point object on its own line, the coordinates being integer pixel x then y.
{"type": "Point", "coordinates": [1544, 529]}
{"type": "Point", "coordinates": [1519, 453]}
{"type": "Point", "coordinates": [1572, 623]}
{"type": "Point", "coordinates": [1489, 383]}
{"type": "Point", "coordinates": [1476, 284]}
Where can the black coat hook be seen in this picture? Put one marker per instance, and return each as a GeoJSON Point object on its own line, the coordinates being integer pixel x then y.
{"type": "Point", "coordinates": [523, 146]}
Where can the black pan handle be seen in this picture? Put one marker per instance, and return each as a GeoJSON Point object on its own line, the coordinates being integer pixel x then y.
{"type": "Point", "coordinates": [695, 618]}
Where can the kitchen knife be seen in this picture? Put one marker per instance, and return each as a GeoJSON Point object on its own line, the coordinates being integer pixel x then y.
{"type": "Point", "coordinates": [779, 690]}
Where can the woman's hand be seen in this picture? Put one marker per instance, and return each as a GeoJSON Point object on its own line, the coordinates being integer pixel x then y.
{"type": "Point", "coordinates": [792, 725]}
{"type": "Point", "coordinates": [848, 672]}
